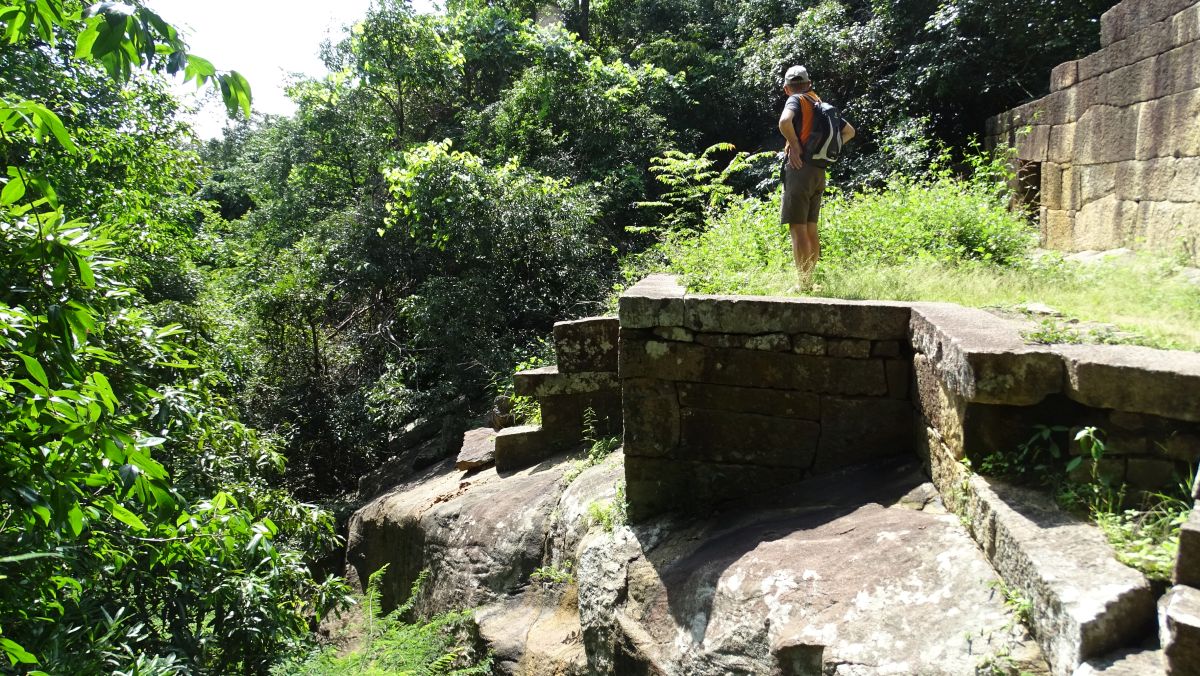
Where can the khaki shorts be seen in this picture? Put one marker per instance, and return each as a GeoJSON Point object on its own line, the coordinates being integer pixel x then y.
{"type": "Point", "coordinates": [802, 189]}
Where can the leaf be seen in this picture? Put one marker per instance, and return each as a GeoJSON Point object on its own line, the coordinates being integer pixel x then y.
{"type": "Point", "coordinates": [17, 558]}
{"type": "Point", "coordinates": [35, 369]}
{"type": "Point", "coordinates": [75, 519]}
{"type": "Point", "coordinates": [13, 191]}
{"type": "Point", "coordinates": [120, 513]}
{"type": "Point", "coordinates": [17, 654]}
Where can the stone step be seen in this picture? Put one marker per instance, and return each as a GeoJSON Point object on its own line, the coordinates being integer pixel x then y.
{"type": "Point", "coordinates": [519, 447]}
{"type": "Point", "coordinates": [548, 382]}
{"type": "Point", "coordinates": [1084, 603]}
{"type": "Point", "coordinates": [1179, 630]}
{"type": "Point", "coordinates": [1136, 662]}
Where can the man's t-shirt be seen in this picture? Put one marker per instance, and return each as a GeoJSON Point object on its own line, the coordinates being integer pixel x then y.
{"type": "Point", "coordinates": [802, 113]}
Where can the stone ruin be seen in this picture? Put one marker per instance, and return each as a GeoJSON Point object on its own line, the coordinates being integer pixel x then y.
{"type": "Point", "coordinates": [800, 499]}
{"type": "Point", "coordinates": [1111, 157]}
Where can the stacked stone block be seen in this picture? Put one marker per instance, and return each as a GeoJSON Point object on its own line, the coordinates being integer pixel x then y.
{"type": "Point", "coordinates": [731, 397]}
{"type": "Point", "coordinates": [585, 379]}
{"type": "Point", "coordinates": [1118, 137]}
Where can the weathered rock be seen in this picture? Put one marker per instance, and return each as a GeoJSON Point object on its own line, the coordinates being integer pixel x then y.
{"type": "Point", "coordinates": [982, 357]}
{"type": "Point", "coordinates": [870, 589]}
{"type": "Point", "coordinates": [1179, 630]}
{"type": "Point", "coordinates": [746, 438]}
{"type": "Point", "coordinates": [534, 633]}
{"type": "Point", "coordinates": [650, 417]}
{"type": "Point", "coordinates": [1136, 662]}
{"type": "Point", "coordinates": [1134, 378]}
{"type": "Point", "coordinates": [655, 301]}
{"type": "Point", "coordinates": [586, 344]}
{"type": "Point", "coordinates": [1187, 562]}
{"type": "Point", "coordinates": [566, 418]}
{"type": "Point", "coordinates": [1084, 602]}
{"type": "Point", "coordinates": [778, 403]}
{"type": "Point", "coordinates": [753, 368]}
{"type": "Point", "coordinates": [803, 343]}
{"type": "Point", "coordinates": [522, 446]}
{"type": "Point", "coordinates": [819, 316]}
{"type": "Point", "coordinates": [848, 347]}
{"type": "Point", "coordinates": [855, 431]}
{"type": "Point", "coordinates": [547, 381]}
{"type": "Point", "coordinates": [478, 449]}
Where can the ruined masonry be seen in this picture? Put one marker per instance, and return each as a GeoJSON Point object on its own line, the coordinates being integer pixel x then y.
{"type": "Point", "coordinates": [800, 499]}
{"type": "Point", "coordinates": [1112, 155]}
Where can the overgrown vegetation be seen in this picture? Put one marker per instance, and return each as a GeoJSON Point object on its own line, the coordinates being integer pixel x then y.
{"type": "Point", "coordinates": [194, 341]}
{"type": "Point", "coordinates": [1143, 528]}
{"type": "Point", "coordinates": [394, 646]}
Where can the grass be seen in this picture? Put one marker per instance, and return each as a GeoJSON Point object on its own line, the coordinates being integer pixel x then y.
{"type": "Point", "coordinates": [942, 239]}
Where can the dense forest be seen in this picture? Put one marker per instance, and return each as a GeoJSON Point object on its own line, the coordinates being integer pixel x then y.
{"type": "Point", "coordinates": [201, 342]}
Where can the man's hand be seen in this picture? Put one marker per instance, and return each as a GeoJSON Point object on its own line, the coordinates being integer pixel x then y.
{"type": "Point", "coordinates": [793, 155]}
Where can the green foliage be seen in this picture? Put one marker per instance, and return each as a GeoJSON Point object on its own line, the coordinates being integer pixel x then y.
{"type": "Point", "coordinates": [599, 447]}
{"type": "Point", "coordinates": [554, 575]}
{"type": "Point", "coordinates": [392, 646]}
{"type": "Point", "coordinates": [610, 514]}
{"type": "Point", "coordinates": [696, 190]}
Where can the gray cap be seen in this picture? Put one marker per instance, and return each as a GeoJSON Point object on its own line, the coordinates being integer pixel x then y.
{"type": "Point", "coordinates": [796, 74]}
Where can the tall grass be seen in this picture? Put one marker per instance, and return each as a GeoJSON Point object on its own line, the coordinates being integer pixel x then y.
{"type": "Point", "coordinates": [937, 239]}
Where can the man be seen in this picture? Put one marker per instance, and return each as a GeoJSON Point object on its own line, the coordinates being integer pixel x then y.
{"type": "Point", "coordinates": [803, 182]}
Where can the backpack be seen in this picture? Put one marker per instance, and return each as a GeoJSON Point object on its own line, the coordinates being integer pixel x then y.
{"type": "Point", "coordinates": [824, 143]}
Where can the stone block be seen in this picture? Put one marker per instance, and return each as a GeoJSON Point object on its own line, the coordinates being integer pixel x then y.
{"type": "Point", "coordinates": [1058, 229]}
{"type": "Point", "coordinates": [1166, 127]}
{"type": "Point", "coordinates": [1187, 560]}
{"type": "Point", "coordinates": [564, 416]}
{"type": "Point", "coordinates": [676, 333]}
{"type": "Point", "coordinates": [1176, 71]}
{"type": "Point", "coordinates": [1105, 133]}
{"type": "Point", "coordinates": [1179, 630]}
{"type": "Point", "coordinates": [1096, 181]}
{"type": "Point", "coordinates": [885, 348]}
{"type": "Point", "coordinates": [478, 449]}
{"type": "Point", "coordinates": [1106, 223]}
{"type": "Point", "coordinates": [855, 431]}
{"type": "Point", "coordinates": [899, 378]}
{"type": "Point", "coordinates": [779, 403]}
{"type": "Point", "coordinates": [1130, 84]}
{"type": "Point", "coordinates": [1182, 447]}
{"type": "Point", "coordinates": [849, 348]}
{"type": "Point", "coordinates": [522, 446]}
{"type": "Point", "coordinates": [753, 368]}
{"type": "Point", "coordinates": [1165, 225]}
{"type": "Point", "coordinates": [715, 483]}
{"type": "Point", "coordinates": [547, 382]}
{"type": "Point", "coordinates": [1064, 75]}
{"type": "Point", "coordinates": [1062, 144]}
{"type": "Point", "coordinates": [1034, 143]}
{"type": "Point", "coordinates": [1084, 602]}
{"type": "Point", "coordinates": [1126, 19]}
{"type": "Point", "coordinates": [771, 342]}
{"type": "Point", "coordinates": [650, 417]}
{"type": "Point", "coordinates": [803, 343]}
{"type": "Point", "coordinates": [1151, 474]}
{"type": "Point", "coordinates": [746, 438]}
{"type": "Point", "coordinates": [657, 300]}
{"type": "Point", "coordinates": [655, 486]}
{"type": "Point", "coordinates": [819, 316]}
{"type": "Point", "coordinates": [982, 357]}
{"type": "Point", "coordinates": [1134, 379]}
{"type": "Point", "coordinates": [587, 344]}
{"type": "Point", "coordinates": [1052, 186]}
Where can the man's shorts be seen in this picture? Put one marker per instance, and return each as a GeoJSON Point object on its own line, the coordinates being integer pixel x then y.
{"type": "Point", "coordinates": [802, 190]}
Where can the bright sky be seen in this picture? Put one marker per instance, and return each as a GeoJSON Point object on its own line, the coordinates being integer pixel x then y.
{"type": "Point", "coordinates": [265, 40]}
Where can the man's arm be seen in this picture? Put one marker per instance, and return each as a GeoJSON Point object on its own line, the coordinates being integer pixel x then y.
{"type": "Point", "coordinates": [788, 129]}
{"type": "Point", "coordinates": [847, 132]}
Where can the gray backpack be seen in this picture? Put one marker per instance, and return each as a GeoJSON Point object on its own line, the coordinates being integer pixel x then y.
{"type": "Point", "coordinates": [824, 144]}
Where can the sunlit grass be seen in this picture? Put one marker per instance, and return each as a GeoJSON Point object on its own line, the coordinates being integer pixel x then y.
{"type": "Point", "coordinates": [1140, 295]}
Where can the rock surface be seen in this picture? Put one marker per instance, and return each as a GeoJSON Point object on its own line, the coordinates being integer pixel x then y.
{"type": "Point", "coordinates": [1179, 630]}
{"type": "Point", "coordinates": [478, 449]}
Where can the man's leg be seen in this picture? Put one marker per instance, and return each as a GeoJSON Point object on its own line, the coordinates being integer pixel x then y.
{"type": "Point", "coordinates": [813, 246]}
{"type": "Point", "coordinates": [800, 247]}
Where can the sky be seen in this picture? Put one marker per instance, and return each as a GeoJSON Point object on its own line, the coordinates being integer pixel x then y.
{"type": "Point", "coordinates": [264, 40]}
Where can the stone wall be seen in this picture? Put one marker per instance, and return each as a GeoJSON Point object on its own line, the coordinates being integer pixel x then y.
{"type": "Point", "coordinates": [730, 397]}
{"type": "Point", "coordinates": [585, 378]}
{"type": "Point", "coordinates": [1116, 143]}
